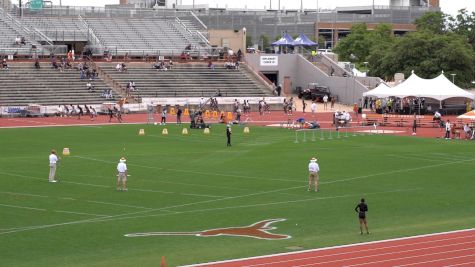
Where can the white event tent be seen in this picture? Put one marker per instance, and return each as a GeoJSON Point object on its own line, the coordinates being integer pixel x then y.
{"type": "Point", "coordinates": [439, 88]}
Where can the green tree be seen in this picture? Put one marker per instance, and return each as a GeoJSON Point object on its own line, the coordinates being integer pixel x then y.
{"type": "Point", "coordinates": [358, 45]}
{"type": "Point", "coordinates": [463, 24]}
{"type": "Point", "coordinates": [264, 42]}
{"type": "Point", "coordinates": [434, 22]}
{"type": "Point", "coordinates": [249, 42]}
{"type": "Point", "coordinates": [427, 54]}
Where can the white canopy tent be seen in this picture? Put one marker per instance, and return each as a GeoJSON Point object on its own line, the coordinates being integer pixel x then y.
{"type": "Point", "coordinates": [382, 90]}
{"type": "Point", "coordinates": [439, 88]}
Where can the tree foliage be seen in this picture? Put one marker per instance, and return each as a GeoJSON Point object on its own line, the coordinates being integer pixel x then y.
{"type": "Point", "coordinates": [441, 43]}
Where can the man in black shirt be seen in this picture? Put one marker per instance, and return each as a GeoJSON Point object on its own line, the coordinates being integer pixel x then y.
{"type": "Point", "coordinates": [228, 135]}
{"type": "Point", "coordinates": [362, 208]}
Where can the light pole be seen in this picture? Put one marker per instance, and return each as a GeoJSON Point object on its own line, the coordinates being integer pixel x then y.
{"type": "Point", "coordinates": [453, 77]}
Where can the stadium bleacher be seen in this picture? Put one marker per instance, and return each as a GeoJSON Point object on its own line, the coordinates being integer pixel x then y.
{"type": "Point", "coordinates": [23, 85]}
{"type": "Point", "coordinates": [139, 36]}
{"type": "Point", "coordinates": [187, 80]}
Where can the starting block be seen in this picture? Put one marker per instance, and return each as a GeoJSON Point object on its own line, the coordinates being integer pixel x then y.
{"type": "Point", "coordinates": [172, 111]}
{"type": "Point", "coordinates": [215, 114]}
{"type": "Point", "coordinates": [206, 131]}
{"type": "Point", "coordinates": [66, 151]}
{"type": "Point", "coordinates": [186, 112]}
{"type": "Point", "coordinates": [165, 131]}
{"type": "Point", "coordinates": [141, 132]}
{"type": "Point", "coordinates": [184, 131]}
{"type": "Point", "coordinates": [246, 130]}
{"type": "Point", "coordinates": [230, 116]}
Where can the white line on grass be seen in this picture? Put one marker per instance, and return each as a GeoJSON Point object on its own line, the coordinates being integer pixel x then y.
{"type": "Point", "coordinates": [22, 194]}
{"type": "Point", "coordinates": [80, 213]}
{"type": "Point", "coordinates": [21, 207]}
{"type": "Point", "coordinates": [117, 217]}
{"type": "Point", "coordinates": [193, 172]}
{"type": "Point", "coordinates": [415, 158]}
{"type": "Point", "coordinates": [396, 171]}
{"type": "Point", "coordinates": [107, 186]}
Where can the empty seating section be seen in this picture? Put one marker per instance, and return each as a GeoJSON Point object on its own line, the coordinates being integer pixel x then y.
{"type": "Point", "coordinates": [187, 80]}
{"type": "Point", "coordinates": [137, 35]}
{"type": "Point", "coordinates": [57, 28]}
{"type": "Point", "coordinates": [23, 85]}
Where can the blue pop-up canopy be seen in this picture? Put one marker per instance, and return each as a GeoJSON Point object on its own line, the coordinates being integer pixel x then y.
{"type": "Point", "coordinates": [286, 40]}
{"type": "Point", "coordinates": [303, 40]}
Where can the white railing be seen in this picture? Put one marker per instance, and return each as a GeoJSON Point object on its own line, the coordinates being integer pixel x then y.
{"type": "Point", "coordinates": [198, 19]}
{"type": "Point", "coordinates": [43, 36]}
{"type": "Point", "coordinates": [90, 31]}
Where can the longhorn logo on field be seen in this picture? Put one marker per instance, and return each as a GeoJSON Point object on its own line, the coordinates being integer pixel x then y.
{"type": "Point", "coordinates": [259, 230]}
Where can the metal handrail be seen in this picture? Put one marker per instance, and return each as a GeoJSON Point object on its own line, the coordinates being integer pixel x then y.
{"type": "Point", "coordinates": [90, 30]}
{"type": "Point", "coordinates": [198, 19]}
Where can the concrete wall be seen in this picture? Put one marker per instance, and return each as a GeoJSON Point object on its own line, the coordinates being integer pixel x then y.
{"type": "Point", "coordinates": [302, 72]}
{"type": "Point", "coordinates": [235, 39]}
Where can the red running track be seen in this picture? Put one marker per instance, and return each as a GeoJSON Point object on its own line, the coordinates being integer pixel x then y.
{"type": "Point", "coordinates": [444, 249]}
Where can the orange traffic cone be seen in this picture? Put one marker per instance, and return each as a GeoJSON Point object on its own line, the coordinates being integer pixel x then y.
{"type": "Point", "coordinates": [163, 262]}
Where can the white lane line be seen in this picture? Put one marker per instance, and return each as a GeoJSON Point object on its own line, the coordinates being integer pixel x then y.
{"type": "Point", "coordinates": [21, 207]}
{"type": "Point", "coordinates": [386, 241]}
{"type": "Point", "coordinates": [397, 171]}
{"type": "Point", "coordinates": [117, 204]}
{"type": "Point", "coordinates": [73, 199]}
{"type": "Point", "coordinates": [80, 213]}
{"type": "Point", "coordinates": [36, 122]}
{"type": "Point", "coordinates": [22, 194]}
{"type": "Point", "coordinates": [187, 171]}
{"type": "Point", "coordinates": [389, 260]}
{"type": "Point", "coordinates": [121, 216]}
{"type": "Point", "coordinates": [367, 251]}
{"type": "Point", "coordinates": [108, 186]}
{"type": "Point", "coordinates": [360, 252]}
{"type": "Point", "coordinates": [444, 259]}
{"type": "Point", "coordinates": [472, 263]}
{"type": "Point", "coordinates": [416, 158]}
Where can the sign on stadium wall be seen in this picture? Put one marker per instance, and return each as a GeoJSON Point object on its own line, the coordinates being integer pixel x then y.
{"type": "Point", "coordinates": [269, 61]}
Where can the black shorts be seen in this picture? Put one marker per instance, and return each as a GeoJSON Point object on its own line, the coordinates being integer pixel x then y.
{"type": "Point", "coordinates": [362, 215]}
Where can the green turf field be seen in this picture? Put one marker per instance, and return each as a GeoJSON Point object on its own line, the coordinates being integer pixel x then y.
{"type": "Point", "coordinates": [194, 183]}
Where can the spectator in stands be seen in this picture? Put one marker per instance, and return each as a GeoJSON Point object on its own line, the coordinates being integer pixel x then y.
{"type": "Point", "coordinates": [54, 64]}
{"type": "Point", "coordinates": [239, 55]}
{"type": "Point", "coordinates": [72, 110]}
{"type": "Point", "coordinates": [211, 65]}
{"type": "Point", "coordinates": [104, 93]}
{"type": "Point", "coordinates": [5, 64]}
{"type": "Point", "coordinates": [188, 47]}
{"type": "Point", "coordinates": [94, 74]}
{"type": "Point", "coordinates": [170, 64]}
{"type": "Point", "coordinates": [118, 67]}
{"type": "Point", "coordinates": [18, 41]}
{"type": "Point", "coordinates": [90, 86]}
{"type": "Point", "coordinates": [132, 86]}
{"type": "Point", "coordinates": [22, 40]}
{"type": "Point", "coordinates": [123, 67]}
{"type": "Point", "coordinates": [70, 55]}
{"type": "Point", "coordinates": [333, 100]}
{"type": "Point", "coordinates": [109, 94]}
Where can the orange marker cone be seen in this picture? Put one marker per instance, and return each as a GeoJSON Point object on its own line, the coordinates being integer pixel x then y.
{"type": "Point", "coordinates": [164, 264]}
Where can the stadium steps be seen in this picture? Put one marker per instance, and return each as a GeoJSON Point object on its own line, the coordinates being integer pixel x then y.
{"type": "Point", "coordinates": [186, 80]}
{"type": "Point", "coordinates": [22, 85]}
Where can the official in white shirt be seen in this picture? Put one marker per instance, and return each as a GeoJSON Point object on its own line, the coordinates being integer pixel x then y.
{"type": "Point", "coordinates": [313, 170]}
{"type": "Point", "coordinates": [122, 175]}
{"type": "Point", "coordinates": [313, 108]}
{"type": "Point", "coordinates": [53, 159]}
